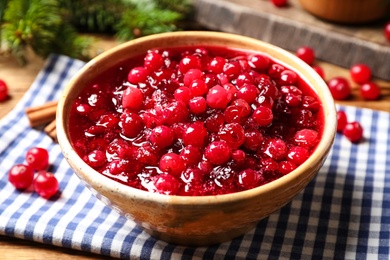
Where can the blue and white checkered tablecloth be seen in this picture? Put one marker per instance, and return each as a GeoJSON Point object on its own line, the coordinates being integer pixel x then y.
{"type": "Point", "coordinates": [344, 213]}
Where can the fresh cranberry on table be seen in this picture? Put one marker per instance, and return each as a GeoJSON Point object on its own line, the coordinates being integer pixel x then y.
{"type": "Point", "coordinates": [360, 73]}
{"type": "Point", "coordinates": [339, 88]}
{"type": "Point", "coordinates": [342, 120]}
{"type": "Point", "coordinates": [280, 3]}
{"type": "Point", "coordinates": [46, 184]}
{"type": "Point", "coordinates": [370, 91]}
{"type": "Point", "coordinates": [353, 131]}
{"type": "Point", "coordinates": [21, 176]}
{"type": "Point", "coordinates": [306, 54]}
{"type": "Point", "coordinates": [387, 31]}
{"type": "Point", "coordinates": [3, 90]}
{"type": "Point", "coordinates": [37, 158]}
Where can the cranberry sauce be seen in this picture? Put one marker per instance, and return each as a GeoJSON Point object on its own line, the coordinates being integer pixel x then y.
{"type": "Point", "coordinates": [196, 121]}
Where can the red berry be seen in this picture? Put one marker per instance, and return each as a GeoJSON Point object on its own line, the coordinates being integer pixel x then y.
{"type": "Point", "coordinates": [3, 90]}
{"type": "Point", "coordinates": [387, 31]}
{"type": "Point", "coordinates": [21, 176]}
{"type": "Point", "coordinates": [370, 91]}
{"type": "Point", "coordinates": [341, 120]}
{"type": "Point", "coordinates": [306, 54]}
{"type": "Point", "coordinates": [286, 167]}
{"type": "Point", "coordinates": [161, 136]}
{"type": "Point", "coordinates": [197, 105]}
{"type": "Point", "coordinates": [217, 97]}
{"type": "Point", "coordinates": [189, 62]}
{"type": "Point", "coordinates": [191, 75]}
{"type": "Point", "coordinates": [153, 61]}
{"type": "Point", "coordinates": [279, 3]}
{"type": "Point", "coordinates": [353, 131]}
{"type": "Point", "coordinates": [172, 163]}
{"type": "Point", "coordinates": [198, 87]}
{"type": "Point", "coordinates": [248, 92]}
{"type": "Point", "coordinates": [306, 138]}
{"type": "Point", "coordinates": [233, 134]}
{"type": "Point", "coordinates": [259, 62]}
{"type": "Point", "coordinates": [137, 75]}
{"type": "Point", "coordinates": [182, 94]}
{"type": "Point", "coordinates": [96, 158]}
{"type": "Point", "coordinates": [191, 155]}
{"type": "Point", "coordinates": [165, 184]}
{"type": "Point", "coordinates": [339, 88]}
{"type": "Point", "coordinates": [248, 178]}
{"type": "Point", "coordinates": [319, 70]}
{"type": "Point", "coordinates": [298, 155]}
{"type": "Point", "coordinates": [216, 65]}
{"type": "Point", "coordinates": [360, 73]}
{"type": "Point", "coordinates": [195, 134]}
{"type": "Point", "coordinates": [132, 98]}
{"type": "Point", "coordinates": [46, 184]}
{"type": "Point", "coordinates": [132, 124]}
{"type": "Point", "coordinates": [218, 152]}
{"type": "Point", "coordinates": [263, 116]}
{"type": "Point", "coordinates": [276, 149]}
{"type": "Point", "coordinates": [37, 158]}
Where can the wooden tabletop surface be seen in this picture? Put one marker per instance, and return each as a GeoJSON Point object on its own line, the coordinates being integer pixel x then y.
{"type": "Point", "coordinates": [19, 80]}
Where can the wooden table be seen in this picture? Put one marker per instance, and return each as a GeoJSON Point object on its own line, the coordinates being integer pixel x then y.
{"type": "Point", "coordinates": [19, 80]}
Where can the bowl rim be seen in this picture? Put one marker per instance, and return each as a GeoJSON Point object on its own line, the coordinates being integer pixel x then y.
{"type": "Point", "coordinates": [113, 186]}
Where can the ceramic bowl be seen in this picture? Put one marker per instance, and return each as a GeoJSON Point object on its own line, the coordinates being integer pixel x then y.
{"type": "Point", "coordinates": [348, 11]}
{"type": "Point", "coordinates": [199, 220]}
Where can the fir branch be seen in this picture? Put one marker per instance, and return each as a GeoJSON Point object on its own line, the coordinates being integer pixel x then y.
{"type": "Point", "coordinates": [145, 20]}
{"type": "Point", "coordinates": [38, 24]}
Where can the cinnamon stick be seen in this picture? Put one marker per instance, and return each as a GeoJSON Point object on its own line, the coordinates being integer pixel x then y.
{"type": "Point", "coordinates": [42, 114]}
{"type": "Point", "coordinates": [51, 130]}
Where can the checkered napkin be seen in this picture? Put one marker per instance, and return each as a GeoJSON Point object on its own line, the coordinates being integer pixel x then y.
{"type": "Point", "coordinates": [343, 213]}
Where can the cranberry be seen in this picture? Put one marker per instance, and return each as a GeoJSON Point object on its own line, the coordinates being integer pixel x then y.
{"type": "Point", "coordinates": [161, 136]}
{"type": "Point", "coordinates": [387, 31]}
{"type": "Point", "coordinates": [319, 70]}
{"type": "Point", "coordinates": [165, 184]}
{"type": "Point", "coordinates": [198, 87]}
{"type": "Point", "coordinates": [339, 88]}
{"type": "Point", "coordinates": [153, 61]}
{"type": "Point", "coordinates": [172, 163]}
{"type": "Point", "coordinates": [253, 140]}
{"type": "Point", "coordinates": [195, 134]}
{"type": "Point", "coordinates": [132, 98]}
{"type": "Point", "coordinates": [191, 75]}
{"type": "Point", "coordinates": [311, 103]}
{"type": "Point", "coordinates": [132, 124]}
{"type": "Point", "coordinates": [232, 69]}
{"type": "Point", "coordinates": [360, 73]}
{"type": "Point", "coordinates": [37, 158]}
{"type": "Point", "coordinates": [238, 156]}
{"type": "Point", "coordinates": [146, 155]}
{"type": "Point", "coordinates": [306, 138]}
{"type": "Point", "coordinates": [96, 158]}
{"type": "Point", "coordinates": [233, 134]}
{"type": "Point", "coordinates": [193, 176]}
{"type": "Point", "coordinates": [248, 178]}
{"type": "Point", "coordinates": [84, 109]}
{"type": "Point", "coordinates": [137, 75]}
{"type": "Point", "coordinates": [214, 122]}
{"type": "Point", "coordinates": [46, 184]}
{"type": "Point", "coordinates": [238, 111]}
{"type": "Point", "coordinates": [276, 149]}
{"type": "Point", "coordinates": [191, 154]}
{"type": "Point", "coordinates": [183, 94]}
{"type": "Point", "coordinates": [279, 3]}
{"type": "Point", "coordinates": [370, 91]}
{"type": "Point", "coordinates": [21, 176]}
{"type": "Point", "coordinates": [197, 105]}
{"type": "Point", "coordinates": [244, 78]}
{"type": "Point", "coordinates": [306, 54]}
{"type": "Point", "coordinates": [263, 116]}
{"type": "Point", "coordinates": [217, 97]}
{"type": "Point", "coordinates": [298, 155]}
{"type": "Point", "coordinates": [285, 167]}
{"type": "Point", "coordinates": [353, 131]}
{"type": "Point", "coordinates": [259, 62]}
{"type": "Point", "coordinates": [120, 149]}
{"type": "Point", "coordinates": [341, 120]}
{"type": "Point", "coordinates": [175, 112]}
{"type": "Point", "coordinates": [248, 92]}
{"type": "Point", "coordinates": [216, 65]}
{"type": "Point", "coordinates": [189, 62]}
{"type": "Point", "coordinates": [3, 90]}
{"type": "Point", "coordinates": [275, 70]}
{"type": "Point", "coordinates": [218, 152]}
{"type": "Point", "coordinates": [288, 77]}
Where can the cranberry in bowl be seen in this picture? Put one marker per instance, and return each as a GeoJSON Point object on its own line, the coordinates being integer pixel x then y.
{"type": "Point", "coordinates": [196, 136]}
